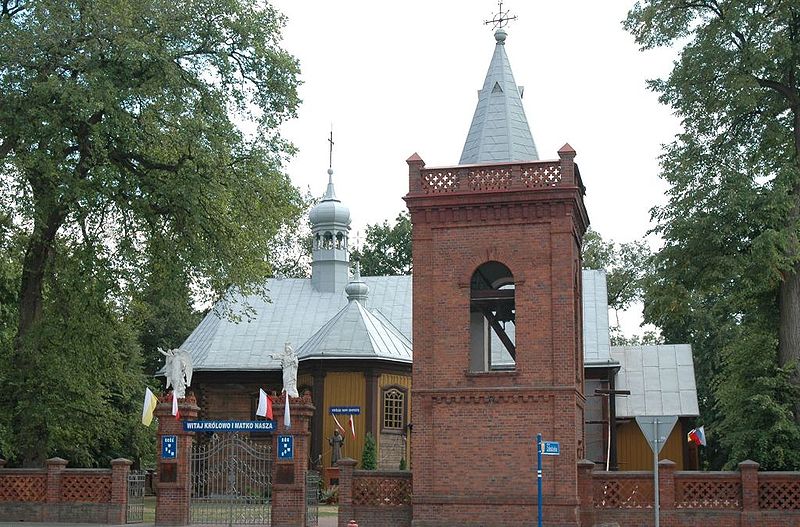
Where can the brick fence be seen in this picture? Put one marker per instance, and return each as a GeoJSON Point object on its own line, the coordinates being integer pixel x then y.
{"type": "Point", "coordinates": [374, 498]}
{"type": "Point", "coordinates": [745, 498]}
{"type": "Point", "coordinates": [59, 494]}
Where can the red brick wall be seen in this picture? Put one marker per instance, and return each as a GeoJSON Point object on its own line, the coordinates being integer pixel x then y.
{"type": "Point", "coordinates": [59, 494]}
{"type": "Point", "coordinates": [745, 498]}
{"type": "Point", "coordinates": [473, 439]}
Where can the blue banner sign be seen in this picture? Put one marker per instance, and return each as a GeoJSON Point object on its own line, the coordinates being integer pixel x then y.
{"type": "Point", "coordinates": [169, 447]}
{"type": "Point", "coordinates": [285, 447]}
{"type": "Point", "coordinates": [346, 410]}
{"type": "Point", "coordinates": [551, 448]}
{"type": "Point", "coordinates": [229, 426]}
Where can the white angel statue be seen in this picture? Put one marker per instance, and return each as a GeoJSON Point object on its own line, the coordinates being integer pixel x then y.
{"type": "Point", "coordinates": [178, 370]}
{"type": "Point", "coordinates": [289, 365]}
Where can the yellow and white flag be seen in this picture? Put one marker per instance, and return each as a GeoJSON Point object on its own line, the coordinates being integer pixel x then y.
{"type": "Point", "coordinates": [150, 402]}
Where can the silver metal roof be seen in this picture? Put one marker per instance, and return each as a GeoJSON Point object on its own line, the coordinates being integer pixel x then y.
{"type": "Point", "coordinates": [295, 312]}
{"type": "Point", "coordinates": [660, 378]}
{"type": "Point", "coordinates": [356, 333]}
{"type": "Point", "coordinates": [499, 130]}
{"type": "Point", "coordinates": [596, 347]}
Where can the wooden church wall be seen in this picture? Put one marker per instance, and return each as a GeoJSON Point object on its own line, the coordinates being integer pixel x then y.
{"type": "Point", "coordinates": [344, 389]}
{"type": "Point", "coordinates": [403, 382]}
{"type": "Point", "coordinates": [633, 452]}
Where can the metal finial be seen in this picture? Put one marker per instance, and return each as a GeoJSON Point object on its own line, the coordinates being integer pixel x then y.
{"type": "Point", "coordinates": [502, 18]}
{"type": "Point", "coordinates": [330, 155]}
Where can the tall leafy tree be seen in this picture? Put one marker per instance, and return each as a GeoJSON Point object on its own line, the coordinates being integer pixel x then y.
{"type": "Point", "coordinates": [118, 132]}
{"type": "Point", "coordinates": [387, 248]}
{"type": "Point", "coordinates": [728, 277]}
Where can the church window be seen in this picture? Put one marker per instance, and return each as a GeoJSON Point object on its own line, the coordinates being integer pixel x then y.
{"type": "Point", "coordinates": [394, 409]}
{"type": "Point", "coordinates": [492, 319]}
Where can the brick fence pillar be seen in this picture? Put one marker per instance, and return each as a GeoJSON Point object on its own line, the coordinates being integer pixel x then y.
{"type": "Point", "coordinates": [346, 467]}
{"type": "Point", "coordinates": [585, 492]}
{"type": "Point", "coordinates": [55, 469]}
{"type": "Point", "coordinates": [289, 475]}
{"type": "Point", "coordinates": [749, 474]}
{"type": "Point", "coordinates": [666, 484]}
{"type": "Point", "coordinates": [174, 486]}
{"type": "Point", "coordinates": [118, 511]}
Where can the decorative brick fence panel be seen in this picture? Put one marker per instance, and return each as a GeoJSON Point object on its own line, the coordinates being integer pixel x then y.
{"type": "Point", "coordinates": [59, 494]}
{"type": "Point", "coordinates": [374, 498]}
{"type": "Point", "coordinates": [745, 498]}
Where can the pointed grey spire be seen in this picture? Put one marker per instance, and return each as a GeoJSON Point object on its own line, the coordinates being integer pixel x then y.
{"type": "Point", "coordinates": [499, 130]}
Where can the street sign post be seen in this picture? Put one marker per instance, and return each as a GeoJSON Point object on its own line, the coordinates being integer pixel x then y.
{"type": "Point", "coordinates": [546, 448]}
{"type": "Point", "coordinates": [656, 429]}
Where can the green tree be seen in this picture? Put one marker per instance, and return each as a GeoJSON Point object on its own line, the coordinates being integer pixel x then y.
{"type": "Point", "coordinates": [727, 277]}
{"type": "Point", "coordinates": [387, 248]}
{"type": "Point", "coordinates": [117, 133]}
{"type": "Point", "coordinates": [627, 267]}
{"type": "Point", "coordinates": [161, 310]}
{"type": "Point", "coordinates": [369, 456]}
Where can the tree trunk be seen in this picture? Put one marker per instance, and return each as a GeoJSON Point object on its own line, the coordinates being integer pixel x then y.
{"type": "Point", "coordinates": [789, 295]}
{"type": "Point", "coordinates": [789, 329]}
{"type": "Point", "coordinates": [32, 432]}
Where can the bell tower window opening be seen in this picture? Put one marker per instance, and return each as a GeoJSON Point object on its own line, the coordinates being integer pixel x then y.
{"type": "Point", "coordinates": [492, 319]}
{"type": "Point", "coordinates": [340, 241]}
{"type": "Point", "coordinates": [327, 241]}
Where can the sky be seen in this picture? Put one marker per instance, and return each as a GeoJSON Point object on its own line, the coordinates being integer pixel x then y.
{"type": "Point", "coordinates": [395, 78]}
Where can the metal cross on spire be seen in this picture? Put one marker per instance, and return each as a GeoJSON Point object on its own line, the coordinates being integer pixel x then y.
{"type": "Point", "coordinates": [501, 18]}
{"type": "Point", "coordinates": [330, 154]}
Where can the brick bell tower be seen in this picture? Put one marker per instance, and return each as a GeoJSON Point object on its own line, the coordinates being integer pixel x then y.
{"type": "Point", "coordinates": [498, 346]}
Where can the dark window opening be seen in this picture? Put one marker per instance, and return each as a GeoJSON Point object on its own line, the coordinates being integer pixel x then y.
{"type": "Point", "coordinates": [492, 319]}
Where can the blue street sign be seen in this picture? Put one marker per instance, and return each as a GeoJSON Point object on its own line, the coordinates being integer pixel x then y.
{"type": "Point", "coordinates": [169, 447]}
{"type": "Point", "coordinates": [346, 410]}
{"type": "Point", "coordinates": [551, 448]}
{"type": "Point", "coordinates": [229, 426]}
{"type": "Point", "coordinates": [285, 447]}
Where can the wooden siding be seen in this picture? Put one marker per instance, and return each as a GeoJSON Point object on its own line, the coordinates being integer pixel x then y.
{"type": "Point", "coordinates": [304, 380]}
{"type": "Point", "coordinates": [633, 452]}
{"type": "Point", "coordinates": [403, 381]}
{"type": "Point", "coordinates": [344, 389]}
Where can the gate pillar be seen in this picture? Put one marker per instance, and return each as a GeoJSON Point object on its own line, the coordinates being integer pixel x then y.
{"type": "Point", "coordinates": [173, 484]}
{"type": "Point", "coordinates": [289, 474]}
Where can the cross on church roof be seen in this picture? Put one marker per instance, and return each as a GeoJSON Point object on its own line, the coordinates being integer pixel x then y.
{"type": "Point", "coordinates": [330, 155]}
{"type": "Point", "coordinates": [501, 19]}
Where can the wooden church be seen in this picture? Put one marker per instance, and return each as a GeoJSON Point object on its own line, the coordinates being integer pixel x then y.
{"type": "Point", "coordinates": [502, 305]}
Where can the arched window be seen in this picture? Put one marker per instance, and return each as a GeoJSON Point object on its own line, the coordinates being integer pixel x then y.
{"type": "Point", "coordinates": [492, 319]}
{"type": "Point", "coordinates": [327, 241]}
{"type": "Point", "coordinates": [340, 241]}
{"type": "Point", "coordinates": [317, 239]}
{"type": "Point", "coordinates": [394, 409]}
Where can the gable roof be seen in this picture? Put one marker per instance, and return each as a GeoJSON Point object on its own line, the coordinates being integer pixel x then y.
{"type": "Point", "coordinates": [499, 131]}
{"type": "Point", "coordinates": [660, 379]}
